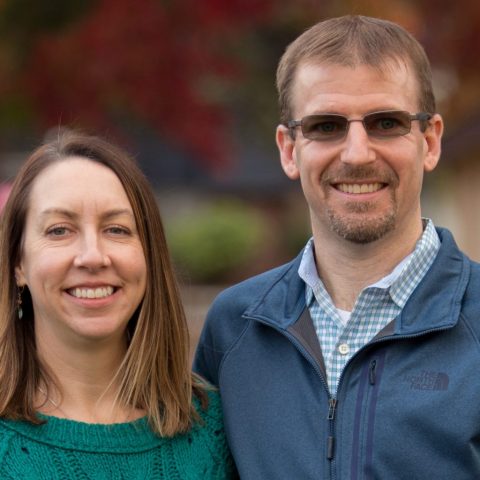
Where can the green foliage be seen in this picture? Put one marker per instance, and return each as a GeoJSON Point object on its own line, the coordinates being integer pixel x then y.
{"type": "Point", "coordinates": [211, 243]}
{"type": "Point", "coordinates": [15, 112]}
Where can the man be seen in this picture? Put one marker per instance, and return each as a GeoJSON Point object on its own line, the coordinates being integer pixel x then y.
{"type": "Point", "coordinates": [359, 359]}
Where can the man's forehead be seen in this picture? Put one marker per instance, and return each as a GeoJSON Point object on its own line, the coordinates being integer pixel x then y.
{"type": "Point", "coordinates": [384, 68]}
{"type": "Point", "coordinates": [314, 79]}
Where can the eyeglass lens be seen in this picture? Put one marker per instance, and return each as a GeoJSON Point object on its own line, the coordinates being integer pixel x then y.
{"type": "Point", "coordinates": [378, 124]}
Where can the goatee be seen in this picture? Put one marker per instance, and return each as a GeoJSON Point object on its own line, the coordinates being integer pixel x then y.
{"type": "Point", "coordinates": [360, 224]}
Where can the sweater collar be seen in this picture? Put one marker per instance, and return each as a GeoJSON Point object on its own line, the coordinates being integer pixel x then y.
{"type": "Point", "coordinates": [114, 438]}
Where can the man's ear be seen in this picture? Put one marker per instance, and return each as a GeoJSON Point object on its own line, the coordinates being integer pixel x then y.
{"type": "Point", "coordinates": [433, 138]}
{"type": "Point", "coordinates": [286, 147]}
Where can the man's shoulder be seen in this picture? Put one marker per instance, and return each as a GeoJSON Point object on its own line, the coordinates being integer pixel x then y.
{"type": "Point", "coordinates": [267, 295]}
{"type": "Point", "coordinates": [473, 286]}
{"type": "Point", "coordinates": [475, 268]}
{"type": "Point", "coordinates": [450, 251]}
{"type": "Point", "coordinates": [262, 296]}
{"type": "Point", "coordinates": [253, 290]}
{"type": "Point", "coordinates": [464, 275]}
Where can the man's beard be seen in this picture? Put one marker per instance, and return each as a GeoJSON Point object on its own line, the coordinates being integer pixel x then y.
{"type": "Point", "coordinates": [360, 228]}
{"type": "Point", "coordinates": [358, 225]}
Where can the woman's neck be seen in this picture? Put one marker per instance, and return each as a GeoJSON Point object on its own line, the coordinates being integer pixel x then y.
{"type": "Point", "coordinates": [85, 382]}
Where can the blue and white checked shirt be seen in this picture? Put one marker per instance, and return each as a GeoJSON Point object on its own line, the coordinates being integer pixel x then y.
{"type": "Point", "coordinates": [375, 307]}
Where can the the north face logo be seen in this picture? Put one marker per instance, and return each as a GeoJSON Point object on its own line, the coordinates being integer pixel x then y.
{"type": "Point", "coordinates": [427, 380]}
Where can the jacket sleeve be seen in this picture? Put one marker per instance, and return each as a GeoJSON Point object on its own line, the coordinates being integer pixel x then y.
{"type": "Point", "coordinates": [208, 355]}
{"type": "Point", "coordinates": [224, 326]}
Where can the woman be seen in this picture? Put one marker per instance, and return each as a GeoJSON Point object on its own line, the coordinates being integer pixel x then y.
{"type": "Point", "coordinates": [94, 374]}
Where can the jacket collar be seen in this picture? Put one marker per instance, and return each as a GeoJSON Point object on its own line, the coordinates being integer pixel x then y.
{"type": "Point", "coordinates": [435, 303]}
{"type": "Point", "coordinates": [437, 300]}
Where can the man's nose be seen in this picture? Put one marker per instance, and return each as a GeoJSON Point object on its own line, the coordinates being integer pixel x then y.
{"type": "Point", "coordinates": [357, 147]}
{"type": "Point", "coordinates": [92, 253]}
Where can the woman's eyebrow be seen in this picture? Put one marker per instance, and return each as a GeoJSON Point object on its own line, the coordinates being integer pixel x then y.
{"type": "Point", "coordinates": [117, 213]}
{"type": "Point", "coordinates": [73, 215]}
{"type": "Point", "coordinates": [63, 212]}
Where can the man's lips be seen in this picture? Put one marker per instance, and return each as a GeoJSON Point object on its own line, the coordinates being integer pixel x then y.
{"type": "Point", "coordinates": [359, 179]}
{"type": "Point", "coordinates": [101, 291]}
{"type": "Point", "coordinates": [359, 188]}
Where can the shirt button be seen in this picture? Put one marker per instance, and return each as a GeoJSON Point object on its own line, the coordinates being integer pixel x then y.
{"type": "Point", "coordinates": [343, 348]}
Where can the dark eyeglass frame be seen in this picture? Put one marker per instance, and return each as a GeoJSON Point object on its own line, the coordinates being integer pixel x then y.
{"type": "Point", "coordinates": [369, 121]}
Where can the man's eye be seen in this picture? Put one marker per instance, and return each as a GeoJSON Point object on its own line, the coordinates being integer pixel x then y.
{"type": "Point", "coordinates": [325, 127]}
{"type": "Point", "coordinates": [328, 127]}
{"type": "Point", "coordinates": [387, 123]}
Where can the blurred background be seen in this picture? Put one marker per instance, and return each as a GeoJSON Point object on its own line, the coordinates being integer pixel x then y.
{"type": "Point", "coordinates": [187, 87]}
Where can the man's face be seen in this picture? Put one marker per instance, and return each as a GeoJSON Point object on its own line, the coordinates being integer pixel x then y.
{"type": "Point", "coordinates": [359, 188]}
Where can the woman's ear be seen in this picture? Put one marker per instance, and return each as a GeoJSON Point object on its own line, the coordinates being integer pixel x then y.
{"type": "Point", "coordinates": [19, 276]}
{"type": "Point", "coordinates": [286, 147]}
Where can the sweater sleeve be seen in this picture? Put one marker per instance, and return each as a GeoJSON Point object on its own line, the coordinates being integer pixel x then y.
{"type": "Point", "coordinates": [223, 466]}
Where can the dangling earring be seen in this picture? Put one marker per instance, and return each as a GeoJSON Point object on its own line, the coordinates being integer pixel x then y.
{"type": "Point", "coordinates": [19, 302]}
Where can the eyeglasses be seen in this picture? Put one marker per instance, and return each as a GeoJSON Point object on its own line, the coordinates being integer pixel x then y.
{"type": "Point", "coordinates": [386, 124]}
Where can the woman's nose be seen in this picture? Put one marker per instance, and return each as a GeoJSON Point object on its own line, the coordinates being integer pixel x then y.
{"type": "Point", "coordinates": [92, 253]}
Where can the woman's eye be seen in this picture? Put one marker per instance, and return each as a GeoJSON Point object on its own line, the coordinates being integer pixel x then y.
{"type": "Point", "coordinates": [116, 230]}
{"type": "Point", "coordinates": [57, 231]}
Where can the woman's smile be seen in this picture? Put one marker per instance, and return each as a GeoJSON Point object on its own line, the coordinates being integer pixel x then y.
{"type": "Point", "coordinates": [87, 292]}
{"type": "Point", "coordinates": [81, 240]}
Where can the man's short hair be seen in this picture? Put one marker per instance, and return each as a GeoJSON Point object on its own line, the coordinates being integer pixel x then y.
{"type": "Point", "coordinates": [350, 41]}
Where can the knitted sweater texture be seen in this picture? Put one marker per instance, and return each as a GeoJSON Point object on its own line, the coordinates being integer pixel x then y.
{"type": "Point", "coordinates": [65, 449]}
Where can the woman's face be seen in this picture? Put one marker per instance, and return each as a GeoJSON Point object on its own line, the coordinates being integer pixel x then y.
{"type": "Point", "coordinates": [82, 258]}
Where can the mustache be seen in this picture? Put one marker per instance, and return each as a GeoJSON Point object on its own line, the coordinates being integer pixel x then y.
{"type": "Point", "coordinates": [352, 173]}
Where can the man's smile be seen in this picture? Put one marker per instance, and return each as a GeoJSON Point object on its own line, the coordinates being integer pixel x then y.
{"type": "Point", "coordinates": [357, 188]}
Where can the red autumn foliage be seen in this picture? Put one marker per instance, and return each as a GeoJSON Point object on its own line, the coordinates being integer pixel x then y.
{"type": "Point", "coordinates": [157, 60]}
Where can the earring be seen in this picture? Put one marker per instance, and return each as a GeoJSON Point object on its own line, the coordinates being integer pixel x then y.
{"type": "Point", "coordinates": [19, 302]}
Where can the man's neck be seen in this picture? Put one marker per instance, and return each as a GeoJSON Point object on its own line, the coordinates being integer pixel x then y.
{"type": "Point", "coordinates": [347, 268]}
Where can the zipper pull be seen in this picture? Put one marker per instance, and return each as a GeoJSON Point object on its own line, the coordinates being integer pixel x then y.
{"type": "Point", "coordinates": [332, 403]}
{"type": "Point", "coordinates": [330, 448]}
{"type": "Point", "coordinates": [371, 374]}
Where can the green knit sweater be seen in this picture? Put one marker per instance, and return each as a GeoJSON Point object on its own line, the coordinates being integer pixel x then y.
{"type": "Point", "coordinates": [65, 449]}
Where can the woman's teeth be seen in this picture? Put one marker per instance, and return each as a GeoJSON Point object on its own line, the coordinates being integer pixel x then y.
{"type": "Point", "coordinates": [100, 292]}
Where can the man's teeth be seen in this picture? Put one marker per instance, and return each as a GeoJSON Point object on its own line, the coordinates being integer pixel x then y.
{"type": "Point", "coordinates": [100, 292]}
{"type": "Point", "coordinates": [359, 188]}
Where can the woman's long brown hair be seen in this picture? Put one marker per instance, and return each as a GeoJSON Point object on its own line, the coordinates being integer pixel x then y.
{"type": "Point", "coordinates": [155, 373]}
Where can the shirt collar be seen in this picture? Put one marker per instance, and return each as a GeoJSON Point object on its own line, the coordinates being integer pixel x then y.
{"type": "Point", "coordinates": [417, 266]}
{"type": "Point", "coordinates": [400, 282]}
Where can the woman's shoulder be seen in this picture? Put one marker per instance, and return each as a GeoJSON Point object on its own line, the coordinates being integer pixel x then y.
{"type": "Point", "coordinates": [6, 434]}
{"type": "Point", "coordinates": [208, 406]}
{"type": "Point", "coordinates": [207, 436]}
